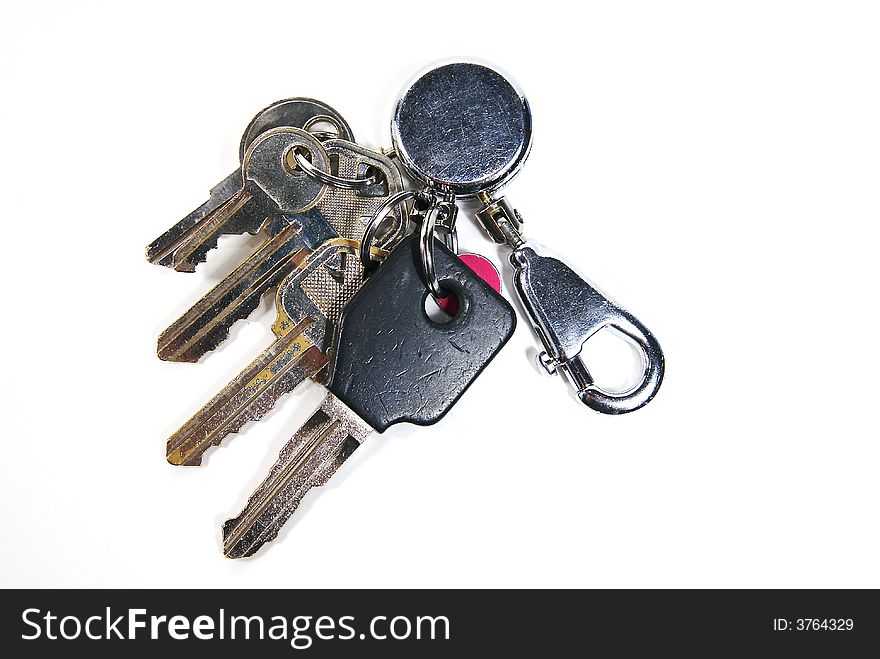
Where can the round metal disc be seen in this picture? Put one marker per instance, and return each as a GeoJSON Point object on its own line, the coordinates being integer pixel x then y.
{"type": "Point", "coordinates": [266, 163]}
{"type": "Point", "coordinates": [298, 113]}
{"type": "Point", "coordinates": [462, 128]}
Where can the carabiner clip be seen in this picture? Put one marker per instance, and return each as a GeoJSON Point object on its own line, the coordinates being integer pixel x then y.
{"type": "Point", "coordinates": [566, 311]}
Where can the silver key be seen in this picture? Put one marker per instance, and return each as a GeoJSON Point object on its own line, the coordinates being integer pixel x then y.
{"type": "Point", "coordinates": [271, 185]}
{"type": "Point", "coordinates": [309, 303]}
{"type": "Point", "coordinates": [393, 364]}
{"type": "Point", "coordinates": [302, 113]}
{"type": "Point", "coordinates": [290, 242]}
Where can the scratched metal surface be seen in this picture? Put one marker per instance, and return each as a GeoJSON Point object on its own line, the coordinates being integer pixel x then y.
{"type": "Point", "coordinates": [462, 128]}
{"type": "Point", "coordinates": [298, 112]}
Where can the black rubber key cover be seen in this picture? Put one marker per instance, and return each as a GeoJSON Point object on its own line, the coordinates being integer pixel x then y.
{"type": "Point", "coordinates": [395, 364]}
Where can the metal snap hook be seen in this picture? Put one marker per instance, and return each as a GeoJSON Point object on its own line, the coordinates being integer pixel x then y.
{"type": "Point", "coordinates": [566, 311]}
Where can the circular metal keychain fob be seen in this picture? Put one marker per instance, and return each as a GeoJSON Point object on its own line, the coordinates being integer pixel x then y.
{"type": "Point", "coordinates": [463, 129]}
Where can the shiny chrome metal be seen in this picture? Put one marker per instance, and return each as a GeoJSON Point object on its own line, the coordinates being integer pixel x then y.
{"type": "Point", "coordinates": [379, 217]}
{"type": "Point", "coordinates": [434, 216]}
{"type": "Point", "coordinates": [269, 186]}
{"type": "Point", "coordinates": [501, 220]}
{"type": "Point", "coordinates": [566, 312]}
{"type": "Point", "coordinates": [339, 129]}
{"type": "Point", "coordinates": [444, 226]}
{"type": "Point", "coordinates": [462, 128]}
{"type": "Point", "coordinates": [298, 112]}
{"type": "Point", "coordinates": [426, 252]}
{"type": "Point", "coordinates": [327, 178]}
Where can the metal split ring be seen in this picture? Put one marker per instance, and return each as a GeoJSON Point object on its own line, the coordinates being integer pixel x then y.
{"type": "Point", "coordinates": [426, 251]}
{"type": "Point", "coordinates": [323, 134]}
{"type": "Point", "coordinates": [329, 179]}
{"type": "Point", "coordinates": [433, 209]}
{"type": "Point", "coordinates": [379, 216]}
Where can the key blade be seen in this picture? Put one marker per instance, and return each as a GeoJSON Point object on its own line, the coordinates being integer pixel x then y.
{"type": "Point", "coordinates": [268, 187]}
{"type": "Point", "coordinates": [161, 251]}
{"type": "Point", "coordinates": [242, 213]}
{"type": "Point", "coordinates": [308, 460]}
{"type": "Point", "coordinates": [277, 371]}
{"type": "Point", "coordinates": [206, 324]}
{"type": "Point", "coordinates": [188, 242]}
{"type": "Point", "coordinates": [309, 303]}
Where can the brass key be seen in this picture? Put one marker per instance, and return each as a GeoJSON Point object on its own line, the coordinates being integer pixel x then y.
{"type": "Point", "coordinates": [309, 303]}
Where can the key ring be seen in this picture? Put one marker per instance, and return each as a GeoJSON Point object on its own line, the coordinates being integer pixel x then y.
{"type": "Point", "coordinates": [323, 134]}
{"type": "Point", "coordinates": [426, 251]}
{"type": "Point", "coordinates": [432, 210]}
{"type": "Point", "coordinates": [419, 198]}
{"type": "Point", "coordinates": [329, 179]}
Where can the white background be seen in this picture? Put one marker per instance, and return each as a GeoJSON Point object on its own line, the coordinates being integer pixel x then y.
{"type": "Point", "coordinates": [712, 166]}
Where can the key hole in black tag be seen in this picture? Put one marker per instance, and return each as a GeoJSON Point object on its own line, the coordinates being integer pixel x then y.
{"type": "Point", "coordinates": [446, 309]}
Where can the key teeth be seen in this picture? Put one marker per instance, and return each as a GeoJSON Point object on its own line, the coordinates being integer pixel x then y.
{"type": "Point", "coordinates": [165, 262]}
{"type": "Point", "coordinates": [200, 253]}
{"type": "Point", "coordinates": [210, 341]}
{"type": "Point", "coordinates": [176, 457]}
{"type": "Point", "coordinates": [186, 266]}
{"type": "Point", "coordinates": [198, 256]}
{"type": "Point", "coordinates": [252, 394]}
{"type": "Point", "coordinates": [156, 257]}
{"type": "Point", "coordinates": [157, 253]}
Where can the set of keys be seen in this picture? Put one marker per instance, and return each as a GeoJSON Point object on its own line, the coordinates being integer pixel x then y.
{"type": "Point", "coordinates": [353, 257]}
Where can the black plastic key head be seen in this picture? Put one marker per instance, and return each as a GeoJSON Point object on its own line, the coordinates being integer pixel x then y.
{"type": "Point", "coordinates": [393, 362]}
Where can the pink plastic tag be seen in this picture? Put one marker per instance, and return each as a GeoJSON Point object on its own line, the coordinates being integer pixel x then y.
{"type": "Point", "coordinates": [484, 269]}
